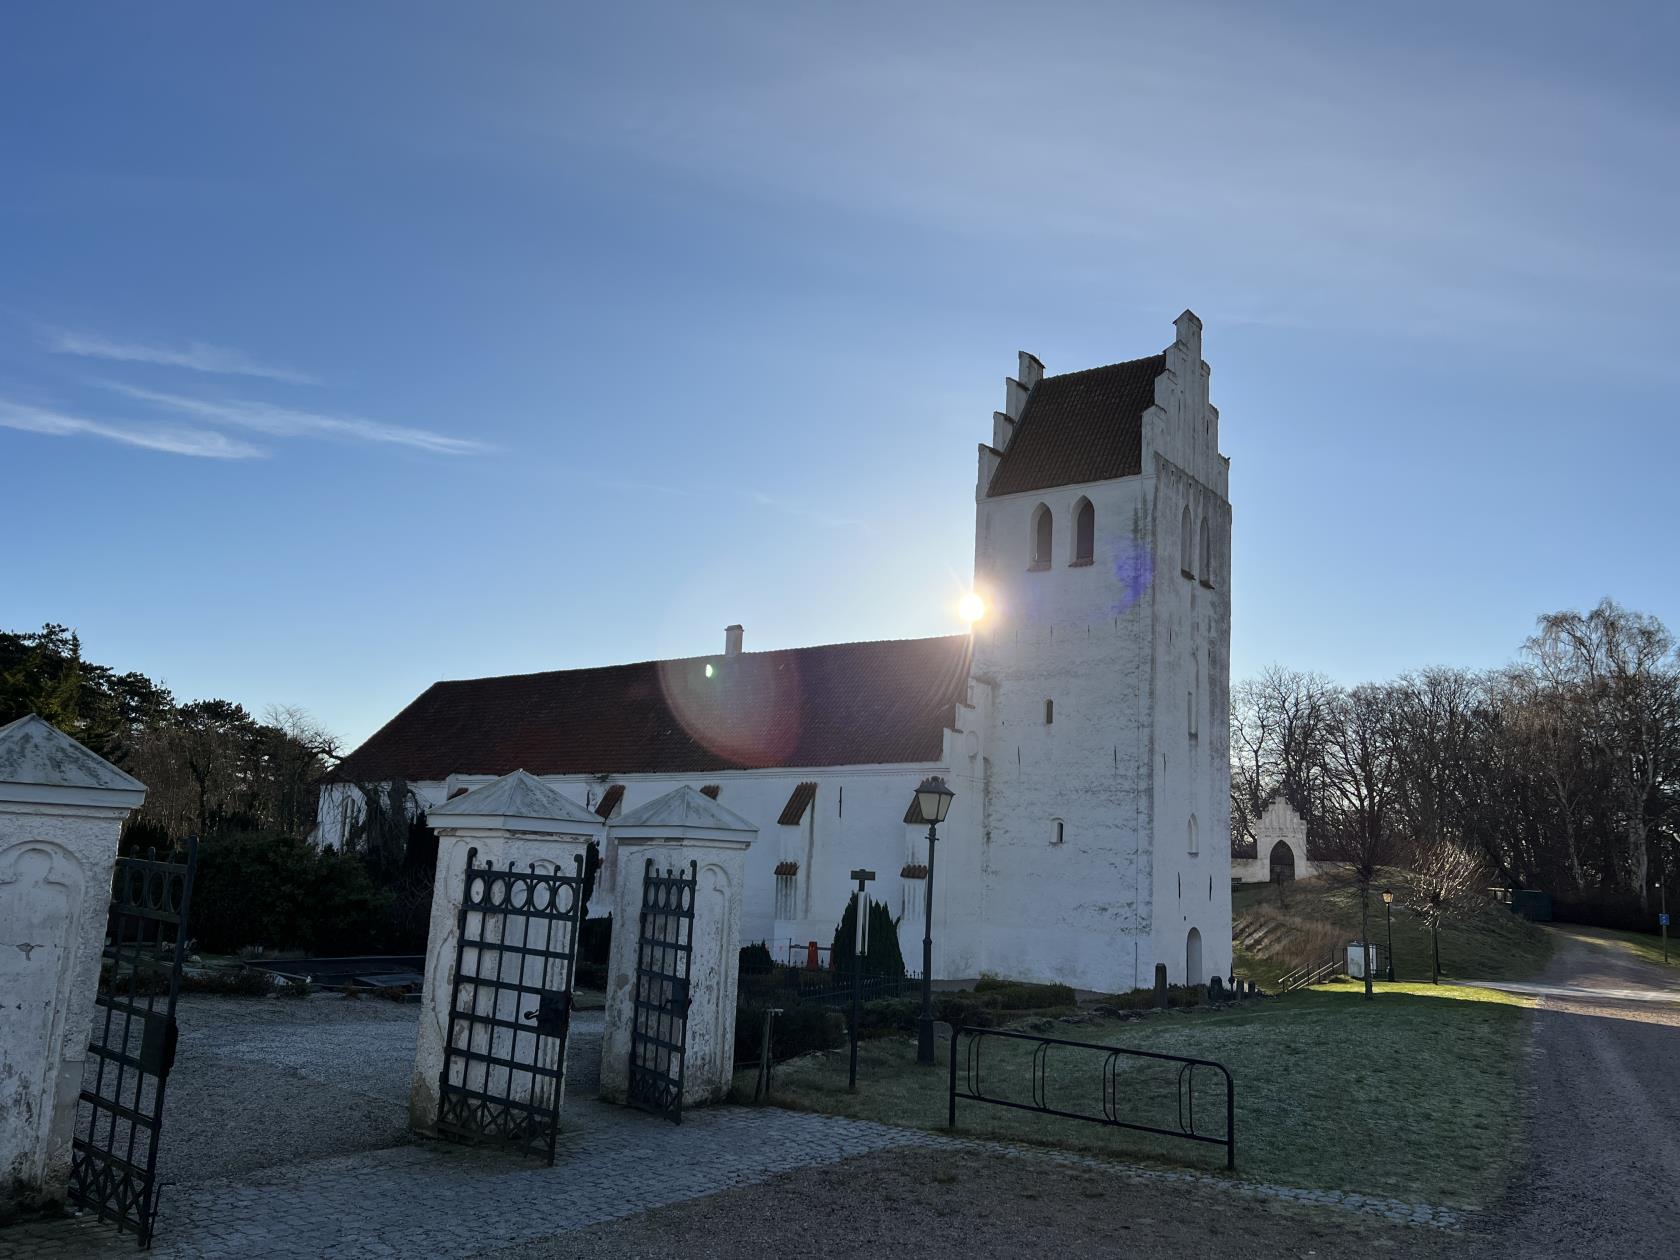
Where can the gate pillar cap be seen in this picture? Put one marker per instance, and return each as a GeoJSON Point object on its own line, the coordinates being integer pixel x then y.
{"type": "Point", "coordinates": [684, 816]}
{"type": "Point", "coordinates": [516, 802]}
{"type": "Point", "coordinates": [41, 765]}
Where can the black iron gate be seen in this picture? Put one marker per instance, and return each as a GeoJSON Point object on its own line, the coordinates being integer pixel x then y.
{"type": "Point", "coordinates": [504, 1066]}
{"type": "Point", "coordinates": [113, 1160]}
{"type": "Point", "coordinates": [659, 1027]}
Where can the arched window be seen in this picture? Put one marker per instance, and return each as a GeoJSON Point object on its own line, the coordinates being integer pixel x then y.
{"type": "Point", "coordinates": [1049, 712]}
{"type": "Point", "coordinates": [1084, 532]}
{"type": "Point", "coordinates": [1058, 831]}
{"type": "Point", "coordinates": [1193, 957]}
{"type": "Point", "coordinates": [1043, 537]}
{"type": "Point", "coordinates": [1194, 841]}
{"type": "Point", "coordinates": [1207, 555]}
{"type": "Point", "coordinates": [1184, 555]}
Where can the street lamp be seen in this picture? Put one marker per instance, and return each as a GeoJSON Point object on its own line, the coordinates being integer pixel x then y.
{"type": "Point", "coordinates": [933, 799]}
{"type": "Point", "coordinates": [1388, 909]}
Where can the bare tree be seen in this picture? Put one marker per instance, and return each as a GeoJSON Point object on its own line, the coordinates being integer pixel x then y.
{"type": "Point", "coordinates": [1621, 668]}
{"type": "Point", "coordinates": [1446, 881]}
{"type": "Point", "coordinates": [1278, 727]}
{"type": "Point", "coordinates": [1362, 779]}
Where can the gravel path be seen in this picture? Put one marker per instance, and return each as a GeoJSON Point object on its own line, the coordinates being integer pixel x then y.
{"type": "Point", "coordinates": [1604, 1098]}
{"type": "Point", "coordinates": [962, 1204]}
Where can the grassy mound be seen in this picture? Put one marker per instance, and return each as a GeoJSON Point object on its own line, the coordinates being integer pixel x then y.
{"type": "Point", "coordinates": [1276, 928]}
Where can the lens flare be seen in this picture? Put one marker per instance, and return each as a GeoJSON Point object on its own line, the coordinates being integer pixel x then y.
{"type": "Point", "coordinates": [971, 608]}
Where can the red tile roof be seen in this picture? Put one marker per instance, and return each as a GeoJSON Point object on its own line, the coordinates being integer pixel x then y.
{"type": "Point", "coordinates": [1080, 426]}
{"type": "Point", "coordinates": [609, 800]}
{"type": "Point", "coordinates": [798, 801]}
{"type": "Point", "coordinates": [840, 704]}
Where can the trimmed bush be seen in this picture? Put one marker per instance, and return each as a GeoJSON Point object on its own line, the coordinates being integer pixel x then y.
{"type": "Point", "coordinates": [255, 888]}
{"type": "Point", "coordinates": [882, 958]}
{"type": "Point", "coordinates": [797, 1030]}
{"type": "Point", "coordinates": [1019, 995]}
{"type": "Point", "coordinates": [886, 1016]}
{"type": "Point", "coordinates": [756, 960]}
{"type": "Point", "coordinates": [965, 1010]}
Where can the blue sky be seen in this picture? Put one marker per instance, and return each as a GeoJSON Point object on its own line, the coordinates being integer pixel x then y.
{"type": "Point", "coordinates": [347, 348]}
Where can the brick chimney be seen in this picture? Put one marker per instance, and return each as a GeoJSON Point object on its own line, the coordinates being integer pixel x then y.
{"type": "Point", "coordinates": [732, 640]}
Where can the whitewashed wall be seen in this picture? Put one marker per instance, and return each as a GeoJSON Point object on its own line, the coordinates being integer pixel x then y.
{"type": "Point", "coordinates": [857, 819]}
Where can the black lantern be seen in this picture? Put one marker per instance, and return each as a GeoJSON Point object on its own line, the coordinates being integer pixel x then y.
{"type": "Point", "coordinates": [933, 798]}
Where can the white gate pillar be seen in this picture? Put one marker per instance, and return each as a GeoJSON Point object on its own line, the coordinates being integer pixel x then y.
{"type": "Point", "coordinates": [678, 828]}
{"type": "Point", "coordinates": [515, 819]}
{"type": "Point", "coordinates": [62, 808]}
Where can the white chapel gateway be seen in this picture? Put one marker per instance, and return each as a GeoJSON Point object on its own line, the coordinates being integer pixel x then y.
{"type": "Point", "coordinates": [1082, 724]}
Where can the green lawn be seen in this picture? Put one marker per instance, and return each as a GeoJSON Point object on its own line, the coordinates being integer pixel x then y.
{"type": "Point", "coordinates": [1412, 1094]}
{"type": "Point", "coordinates": [1648, 945]}
{"type": "Point", "coordinates": [1275, 928]}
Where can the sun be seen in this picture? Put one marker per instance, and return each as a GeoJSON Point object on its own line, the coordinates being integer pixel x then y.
{"type": "Point", "coordinates": [971, 608]}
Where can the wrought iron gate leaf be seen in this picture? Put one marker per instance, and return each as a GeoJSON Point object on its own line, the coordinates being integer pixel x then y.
{"type": "Point", "coordinates": [504, 1066]}
{"type": "Point", "coordinates": [659, 1027]}
{"type": "Point", "coordinates": [119, 1114]}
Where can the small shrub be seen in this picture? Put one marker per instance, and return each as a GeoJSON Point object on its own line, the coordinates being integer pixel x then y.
{"type": "Point", "coordinates": [797, 1030]}
{"type": "Point", "coordinates": [965, 1010]}
{"type": "Point", "coordinates": [756, 960]}
{"type": "Point", "coordinates": [595, 940]}
{"type": "Point", "coordinates": [885, 1016]}
{"type": "Point", "coordinates": [882, 957]}
{"type": "Point", "coordinates": [1018, 995]}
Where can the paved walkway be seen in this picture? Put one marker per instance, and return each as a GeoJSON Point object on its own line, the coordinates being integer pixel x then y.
{"type": "Point", "coordinates": [1604, 1101]}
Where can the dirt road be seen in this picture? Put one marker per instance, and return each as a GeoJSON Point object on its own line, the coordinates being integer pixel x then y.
{"type": "Point", "coordinates": [1604, 1105]}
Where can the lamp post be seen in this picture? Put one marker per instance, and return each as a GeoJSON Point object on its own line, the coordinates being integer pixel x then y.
{"type": "Point", "coordinates": [1388, 909]}
{"type": "Point", "coordinates": [933, 799]}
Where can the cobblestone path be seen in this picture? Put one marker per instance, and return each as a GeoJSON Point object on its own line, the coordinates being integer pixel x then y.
{"type": "Point", "coordinates": [440, 1200]}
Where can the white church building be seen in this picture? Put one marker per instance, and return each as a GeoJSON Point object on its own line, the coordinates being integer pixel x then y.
{"type": "Point", "coordinates": [1082, 723]}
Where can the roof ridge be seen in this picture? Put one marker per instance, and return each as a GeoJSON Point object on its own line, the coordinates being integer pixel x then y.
{"type": "Point", "coordinates": [1104, 367]}
{"type": "Point", "coordinates": [707, 656]}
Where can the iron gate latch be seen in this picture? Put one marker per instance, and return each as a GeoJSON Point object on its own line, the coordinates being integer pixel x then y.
{"type": "Point", "coordinates": [553, 1014]}
{"type": "Point", "coordinates": [157, 1044]}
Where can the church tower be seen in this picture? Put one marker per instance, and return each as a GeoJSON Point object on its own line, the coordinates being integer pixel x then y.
{"type": "Point", "coordinates": [1101, 672]}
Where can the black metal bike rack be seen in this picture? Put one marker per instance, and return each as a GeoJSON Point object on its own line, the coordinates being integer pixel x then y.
{"type": "Point", "coordinates": [1111, 1086]}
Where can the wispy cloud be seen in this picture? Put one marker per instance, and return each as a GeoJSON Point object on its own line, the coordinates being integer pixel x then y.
{"type": "Point", "coordinates": [195, 356]}
{"type": "Point", "coordinates": [287, 422]}
{"type": "Point", "coordinates": [172, 440]}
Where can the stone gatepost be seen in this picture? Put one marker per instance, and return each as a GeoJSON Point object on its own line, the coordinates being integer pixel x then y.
{"type": "Point", "coordinates": [519, 819]}
{"type": "Point", "coordinates": [61, 811]}
{"type": "Point", "coordinates": [681, 827]}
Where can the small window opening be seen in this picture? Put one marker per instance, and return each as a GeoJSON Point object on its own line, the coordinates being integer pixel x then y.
{"type": "Point", "coordinates": [1049, 712]}
{"type": "Point", "coordinates": [1207, 555]}
{"type": "Point", "coordinates": [1184, 543]}
{"type": "Point", "coordinates": [1044, 536]}
{"type": "Point", "coordinates": [1084, 532]}
{"type": "Point", "coordinates": [1194, 842]}
{"type": "Point", "coordinates": [1058, 831]}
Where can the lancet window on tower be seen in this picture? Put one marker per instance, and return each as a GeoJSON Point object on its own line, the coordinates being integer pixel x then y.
{"type": "Point", "coordinates": [1207, 555]}
{"type": "Point", "coordinates": [1084, 532]}
{"type": "Point", "coordinates": [1185, 558]}
{"type": "Point", "coordinates": [1043, 535]}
